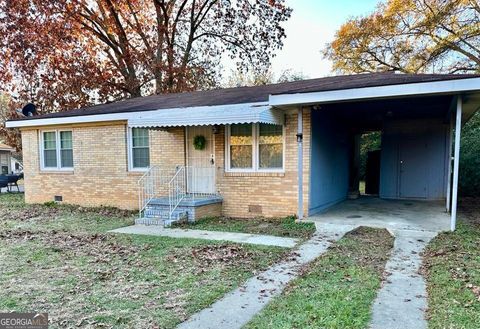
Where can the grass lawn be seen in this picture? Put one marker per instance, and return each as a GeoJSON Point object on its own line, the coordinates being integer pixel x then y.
{"type": "Point", "coordinates": [336, 290]}
{"type": "Point", "coordinates": [285, 227]}
{"type": "Point", "coordinates": [60, 260]}
{"type": "Point", "coordinates": [452, 270]}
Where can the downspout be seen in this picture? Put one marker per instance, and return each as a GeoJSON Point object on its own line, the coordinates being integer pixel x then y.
{"type": "Point", "coordinates": [456, 162]}
{"type": "Point", "coordinates": [300, 162]}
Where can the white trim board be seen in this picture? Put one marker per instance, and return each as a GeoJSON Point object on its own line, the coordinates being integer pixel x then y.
{"type": "Point", "coordinates": [408, 89]}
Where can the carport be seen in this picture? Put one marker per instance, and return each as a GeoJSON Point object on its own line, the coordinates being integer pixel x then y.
{"type": "Point", "coordinates": [420, 122]}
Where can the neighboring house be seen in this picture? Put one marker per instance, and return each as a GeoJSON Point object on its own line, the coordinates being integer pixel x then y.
{"type": "Point", "coordinates": [16, 165]}
{"type": "Point", "coordinates": [5, 159]}
{"type": "Point", "coordinates": [273, 150]}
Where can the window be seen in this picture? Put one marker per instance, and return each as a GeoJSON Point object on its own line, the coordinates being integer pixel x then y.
{"type": "Point", "coordinates": [140, 148]}
{"type": "Point", "coordinates": [4, 160]}
{"type": "Point", "coordinates": [255, 147]}
{"type": "Point", "coordinates": [57, 150]}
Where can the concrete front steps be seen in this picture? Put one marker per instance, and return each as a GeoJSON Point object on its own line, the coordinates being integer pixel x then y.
{"type": "Point", "coordinates": [190, 209]}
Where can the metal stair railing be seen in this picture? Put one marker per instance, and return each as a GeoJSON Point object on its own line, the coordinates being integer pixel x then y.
{"type": "Point", "coordinates": [178, 183]}
{"type": "Point", "coordinates": [177, 190]}
{"type": "Point", "coordinates": [151, 185]}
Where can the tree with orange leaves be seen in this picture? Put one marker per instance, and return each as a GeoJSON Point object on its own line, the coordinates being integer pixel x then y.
{"type": "Point", "coordinates": [64, 54]}
{"type": "Point", "coordinates": [412, 36]}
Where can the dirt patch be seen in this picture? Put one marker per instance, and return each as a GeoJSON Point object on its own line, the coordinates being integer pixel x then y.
{"type": "Point", "coordinates": [470, 209]}
{"type": "Point", "coordinates": [226, 254]}
{"type": "Point", "coordinates": [205, 257]}
{"type": "Point", "coordinates": [377, 244]}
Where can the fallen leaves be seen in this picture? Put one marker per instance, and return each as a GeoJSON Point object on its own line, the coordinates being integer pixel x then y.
{"type": "Point", "coordinates": [51, 211]}
{"type": "Point", "coordinates": [474, 289]}
{"type": "Point", "coordinates": [99, 246]}
{"type": "Point", "coordinates": [54, 258]}
{"type": "Point", "coordinates": [220, 253]}
{"type": "Point", "coordinates": [37, 212]}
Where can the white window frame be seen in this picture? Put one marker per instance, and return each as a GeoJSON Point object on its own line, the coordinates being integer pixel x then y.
{"type": "Point", "coordinates": [255, 150]}
{"type": "Point", "coordinates": [130, 151]}
{"type": "Point", "coordinates": [59, 166]}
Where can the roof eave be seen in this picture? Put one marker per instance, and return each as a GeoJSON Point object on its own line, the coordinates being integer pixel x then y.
{"type": "Point", "coordinates": [365, 93]}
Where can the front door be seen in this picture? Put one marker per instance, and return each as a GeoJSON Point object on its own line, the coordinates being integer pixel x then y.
{"type": "Point", "coordinates": [413, 167]}
{"type": "Point", "coordinates": [200, 160]}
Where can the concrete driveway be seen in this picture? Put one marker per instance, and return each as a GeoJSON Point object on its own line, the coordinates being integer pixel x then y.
{"type": "Point", "coordinates": [401, 302]}
{"type": "Point", "coordinates": [390, 214]}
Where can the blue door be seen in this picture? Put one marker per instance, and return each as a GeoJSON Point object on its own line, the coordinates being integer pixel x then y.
{"type": "Point", "coordinates": [413, 158]}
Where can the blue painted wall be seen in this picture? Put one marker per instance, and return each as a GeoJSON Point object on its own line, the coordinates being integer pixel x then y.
{"type": "Point", "coordinates": [329, 167]}
{"type": "Point", "coordinates": [414, 161]}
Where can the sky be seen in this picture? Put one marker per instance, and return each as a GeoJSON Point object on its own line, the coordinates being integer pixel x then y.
{"type": "Point", "coordinates": [312, 25]}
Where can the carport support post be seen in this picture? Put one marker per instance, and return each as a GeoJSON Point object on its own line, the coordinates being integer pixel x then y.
{"type": "Point", "coordinates": [449, 174]}
{"type": "Point", "coordinates": [456, 162]}
{"type": "Point", "coordinates": [300, 162]}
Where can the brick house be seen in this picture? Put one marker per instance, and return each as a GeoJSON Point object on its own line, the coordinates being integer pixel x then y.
{"type": "Point", "coordinates": [274, 150]}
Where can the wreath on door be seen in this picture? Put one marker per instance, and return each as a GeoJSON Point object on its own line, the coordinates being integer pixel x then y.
{"type": "Point", "coordinates": [199, 142]}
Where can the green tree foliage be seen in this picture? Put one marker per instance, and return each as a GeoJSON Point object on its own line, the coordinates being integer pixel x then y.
{"type": "Point", "coordinates": [369, 142]}
{"type": "Point", "coordinates": [470, 158]}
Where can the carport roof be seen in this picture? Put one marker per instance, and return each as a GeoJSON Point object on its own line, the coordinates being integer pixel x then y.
{"type": "Point", "coordinates": [254, 94]}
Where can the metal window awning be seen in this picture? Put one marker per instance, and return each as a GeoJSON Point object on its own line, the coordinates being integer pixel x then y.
{"type": "Point", "coordinates": [208, 115]}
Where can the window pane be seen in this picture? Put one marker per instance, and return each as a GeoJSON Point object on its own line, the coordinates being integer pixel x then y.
{"type": "Point", "coordinates": [65, 140]}
{"type": "Point", "coordinates": [67, 158]}
{"type": "Point", "coordinates": [241, 156]}
{"type": "Point", "coordinates": [271, 156]}
{"type": "Point", "coordinates": [139, 137]}
{"type": "Point", "coordinates": [270, 134]}
{"type": "Point", "coordinates": [270, 146]}
{"type": "Point", "coordinates": [50, 158]}
{"type": "Point", "coordinates": [241, 134]}
{"type": "Point", "coordinates": [241, 148]}
{"type": "Point", "coordinates": [141, 157]}
{"type": "Point", "coordinates": [49, 140]}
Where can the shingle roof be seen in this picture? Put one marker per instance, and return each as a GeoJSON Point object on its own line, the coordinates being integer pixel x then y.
{"type": "Point", "coordinates": [253, 94]}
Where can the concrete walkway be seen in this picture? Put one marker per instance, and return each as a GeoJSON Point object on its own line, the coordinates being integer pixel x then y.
{"type": "Point", "coordinates": [401, 302]}
{"type": "Point", "coordinates": [155, 230]}
{"type": "Point", "coordinates": [237, 308]}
